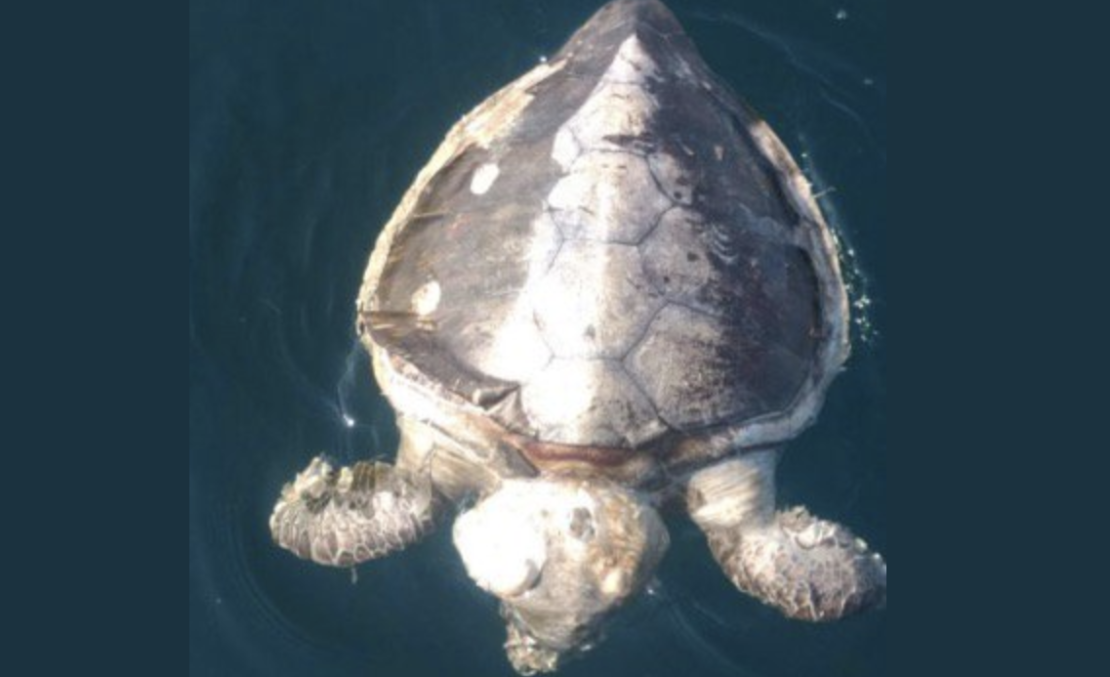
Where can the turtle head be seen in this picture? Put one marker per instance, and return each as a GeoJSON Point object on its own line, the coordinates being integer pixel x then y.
{"type": "Point", "coordinates": [561, 554]}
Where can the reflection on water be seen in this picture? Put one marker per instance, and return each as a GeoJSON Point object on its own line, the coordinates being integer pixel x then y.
{"type": "Point", "coordinates": [306, 124]}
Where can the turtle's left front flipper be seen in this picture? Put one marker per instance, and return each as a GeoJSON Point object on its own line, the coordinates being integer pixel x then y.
{"type": "Point", "coordinates": [809, 568]}
{"type": "Point", "coordinates": [341, 517]}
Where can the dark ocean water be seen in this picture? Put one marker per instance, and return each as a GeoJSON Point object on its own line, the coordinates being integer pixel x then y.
{"type": "Point", "coordinates": [307, 122]}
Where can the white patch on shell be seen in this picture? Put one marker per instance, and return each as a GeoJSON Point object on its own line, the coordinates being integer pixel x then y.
{"type": "Point", "coordinates": [565, 149]}
{"type": "Point", "coordinates": [632, 64]}
{"type": "Point", "coordinates": [426, 299]}
{"type": "Point", "coordinates": [483, 178]}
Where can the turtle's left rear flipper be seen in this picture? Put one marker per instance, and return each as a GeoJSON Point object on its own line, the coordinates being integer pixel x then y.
{"type": "Point", "coordinates": [341, 517]}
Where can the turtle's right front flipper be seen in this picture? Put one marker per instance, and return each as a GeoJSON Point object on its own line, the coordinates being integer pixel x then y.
{"type": "Point", "coordinates": [347, 516]}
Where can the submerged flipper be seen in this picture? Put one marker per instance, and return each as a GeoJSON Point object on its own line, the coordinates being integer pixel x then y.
{"type": "Point", "coordinates": [346, 516]}
{"type": "Point", "coordinates": [810, 569]}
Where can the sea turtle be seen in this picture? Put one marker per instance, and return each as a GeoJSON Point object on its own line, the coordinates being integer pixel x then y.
{"type": "Point", "coordinates": [610, 289]}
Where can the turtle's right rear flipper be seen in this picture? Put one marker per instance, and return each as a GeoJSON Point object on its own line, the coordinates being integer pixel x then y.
{"type": "Point", "coordinates": [341, 517]}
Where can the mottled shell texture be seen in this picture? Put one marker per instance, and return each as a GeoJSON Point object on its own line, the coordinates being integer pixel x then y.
{"type": "Point", "coordinates": [610, 242]}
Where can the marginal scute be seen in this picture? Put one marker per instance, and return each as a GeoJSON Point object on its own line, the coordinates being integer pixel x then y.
{"type": "Point", "coordinates": [595, 301]}
{"type": "Point", "coordinates": [589, 402]}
